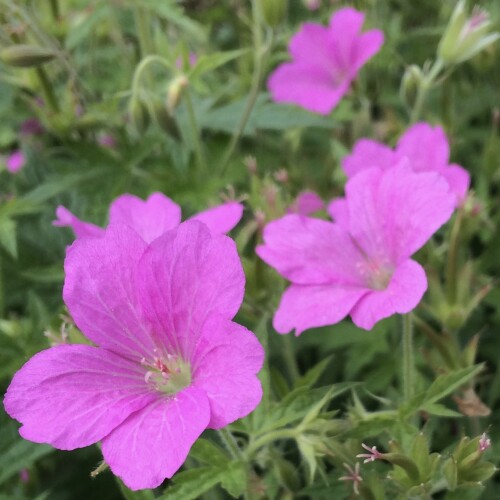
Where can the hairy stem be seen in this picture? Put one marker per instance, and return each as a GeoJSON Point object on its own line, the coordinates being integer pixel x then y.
{"type": "Point", "coordinates": [408, 358]}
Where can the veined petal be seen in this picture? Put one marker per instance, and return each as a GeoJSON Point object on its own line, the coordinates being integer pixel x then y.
{"type": "Point", "coordinates": [303, 307]}
{"type": "Point", "coordinates": [71, 396]}
{"type": "Point", "coordinates": [154, 442]}
{"type": "Point", "coordinates": [310, 251]}
{"type": "Point", "coordinates": [225, 365]}
{"type": "Point", "coordinates": [150, 218]}
{"type": "Point", "coordinates": [101, 293]}
{"type": "Point", "coordinates": [222, 218]}
{"type": "Point", "coordinates": [80, 228]}
{"type": "Point", "coordinates": [185, 275]}
{"type": "Point", "coordinates": [405, 290]}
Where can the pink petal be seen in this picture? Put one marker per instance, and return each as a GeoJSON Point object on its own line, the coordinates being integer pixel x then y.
{"type": "Point", "coordinates": [226, 361]}
{"type": "Point", "coordinates": [304, 307]}
{"type": "Point", "coordinates": [393, 213]}
{"type": "Point", "coordinates": [101, 293]}
{"type": "Point", "coordinates": [15, 161]}
{"type": "Point", "coordinates": [185, 275]}
{"type": "Point", "coordinates": [154, 442]}
{"type": "Point", "coordinates": [71, 396]}
{"type": "Point", "coordinates": [80, 228]}
{"type": "Point", "coordinates": [306, 203]}
{"type": "Point", "coordinates": [368, 154]}
{"type": "Point", "coordinates": [338, 210]}
{"type": "Point", "coordinates": [311, 43]}
{"type": "Point", "coordinates": [425, 147]}
{"type": "Point", "coordinates": [458, 179]}
{"type": "Point", "coordinates": [150, 218]}
{"type": "Point", "coordinates": [222, 218]}
{"type": "Point", "coordinates": [405, 290]}
{"type": "Point", "coordinates": [312, 87]}
{"type": "Point", "coordinates": [310, 251]}
{"type": "Point", "coordinates": [366, 46]}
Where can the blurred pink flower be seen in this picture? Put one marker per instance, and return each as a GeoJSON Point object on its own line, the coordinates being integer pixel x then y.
{"type": "Point", "coordinates": [15, 161]}
{"type": "Point", "coordinates": [152, 217]}
{"type": "Point", "coordinates": [31, 126]}
{"type": "Point", "coordinates": [425, 147]}
{"type": "Point", "coordinates": [107, 140]}
{"type": "Point", "coordinates": [168, 363]}
{"type": "Point", "coordinates": [306, 203]}
{"type": "Point", "coordinates": [325, 60]}
{"type": "Point", "coordinates": [360, 265]}
{"type": "Point", "coordinates": [312, 4]}
{"type": "Point", "coordinates": [192, 59]}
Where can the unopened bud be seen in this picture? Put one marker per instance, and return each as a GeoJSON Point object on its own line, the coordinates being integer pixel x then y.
{"type": "Point", "coordinates": [465, 36]}
{"type": "Point", "coordinates": [26, 56]}
{"type": "Point", "coordinates": [139, 115]}
{"type": "Point", "coordinates": [410, 83]}
{"type": "Point", "coordinates": [273, 11]}
{"type": "Point", "coordinates": [163, 118]}
{"type": "Point", "coordinates": [174, 92]}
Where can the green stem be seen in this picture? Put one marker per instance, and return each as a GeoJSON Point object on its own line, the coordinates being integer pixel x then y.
{"type": "Point", "coordinates": [230, 443]}
{"type": "Point", "coordinates": [141, 67]}
{"type": "Point", "coordinates": [452, 261]}
{"type": "Point", "coordinates": [47, 88]}
{"type": "Point", "coordinates": [195, 130]}
{"type": "Point", "coordinates": [54, 8]}
{"type": "Point", "coordinates": [2, 305]}
{"type": "Point", "coordinates": [408, 358]}
{"type": "Point", "coordinates": [425, 85]}
{"type": "Point", "coordinates": [269, 437]}
{"type": "Point", "coordinates": [290, 359]}
{"type": "Point", "coordinates": [260, 55]}
{"type": "Point", "coordinates": [141, 17]}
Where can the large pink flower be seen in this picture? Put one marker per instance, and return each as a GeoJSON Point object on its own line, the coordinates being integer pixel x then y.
{"type": "Point", "coordinates": [325, 60]}
{"type": "Point", "coordinates": [425, 147]}
{"type": "Point", "coordinates": [170, 361]}
{"type": "Point", "coordinates": [152, 217]}
{"type": "Point", "coordinates": [359, 265]}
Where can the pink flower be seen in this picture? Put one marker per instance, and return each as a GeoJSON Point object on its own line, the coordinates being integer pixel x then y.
{"type": "Point", "coordinates": [169, 363]}
{"type": "Point", "coordinates": [306, 203]}
{"type": "Point", "coordinates": [372, 455]}
{"type": "Point", "coordinates": [360, 265]}
{"type": "Point", "coordinates": [31, 126]}
{"type": "Point", "coordinates": [354, 476]}
{"type": "Point", "coordinates": [312, 4]}
{"type": "Point", "coordinates": [426, 149]}
{"type": "Point", "coordinates": [325, 60]}
{"type": "Point", "coordinates": [152, 217]}
{"type": "Point", "coordinates": [15, 161]}
{"type": "Point", "coordinates": [484, 442]}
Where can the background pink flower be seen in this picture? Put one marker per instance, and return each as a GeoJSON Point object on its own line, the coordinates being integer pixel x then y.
{"type": "Point", "coordinates": [152, 217]}
{"type": "Point", "coordinates": [15, 161]}
{"type": "Point", "coordinates": [426, 149]}
{"type": "Point", "coordinates": [360, 265]}
{"type": "Point", "coordinates": [170, 361]}
{"type": "Point", "coordinates": [325, 60]}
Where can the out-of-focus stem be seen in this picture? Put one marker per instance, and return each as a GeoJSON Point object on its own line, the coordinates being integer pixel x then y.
{"type": "Point", "coordinates": [195, 129]}
{"type": "Point", "coordinates": [408, 358]}
{"type": "Point", "coordinates": [142, 22]}
{"type": "Point", "coordinates": [48, 90]}
{"type": "Point", "coordinates": [425, 85]}
{"type": "Point", "coordinates": [269, 438]}
{"type": "Point", "coordinates": [452, 261]}
{"type": "Point", "coordinates": [54, 8]}
{"type": "Point", "coordinates": [290, 360]}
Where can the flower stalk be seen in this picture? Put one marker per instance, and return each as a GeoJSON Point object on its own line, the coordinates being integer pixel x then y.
{"type": "Point", "coordinates": [408, 358]}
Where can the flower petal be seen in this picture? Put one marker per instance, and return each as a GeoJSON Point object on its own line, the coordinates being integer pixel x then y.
{"type": "Point", "coordinates": [458, 179]}
{"type": "Point", "coordinates": [393, 213]}
{"type": "Point", "coordinates": [71, 396]}
{"type": "Point", "coordinates": [368, 154]}
{"type": "Point", "coordinates": [185, 275]}
{"type": "Point", "coordinates": [80, 228]}
{"type": "Point", "coordinates": [310, 251]}
{"type": "Point", "coordinates": [154, 442]}
{"type": "Point", "coordinates": [366, 46]}
{"type": "Point", "coordinates": [101, 294]}
{"type": "Point", "coordinates": [150, 218]}
{"type": "Point", "coordinates": [311, 43]}
{"type": "Point", "coordinates": [338, 210]}
{"type": "Point", "coordinates": [425, 146]}
{"type": "Point", "coordinates": [405, 290]}
{"type": "Point", "coordinates": [310, 86]}
{"type": "Point", "coordinates": [304, 307]}
{"type": "Point", "coordinates": [222, 218]}
{"type": "Point", "coordinates": [306, 203]}
{"type": "Point", "coordinates": [225, 363]}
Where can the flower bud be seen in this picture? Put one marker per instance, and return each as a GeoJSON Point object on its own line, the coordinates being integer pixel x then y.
{"type": "Point", "coordinates": [174, 92]}
{"type": "Point", "coordinates": [163, 118]}
{"type": "Point", "coordinates": [26, 56]}
{"type": "Point", "coordinates": [410, 83]}
{"type": "Point", "coordinates": [273, 11]}
{"type": "Point", "coordinates": [465, 36]}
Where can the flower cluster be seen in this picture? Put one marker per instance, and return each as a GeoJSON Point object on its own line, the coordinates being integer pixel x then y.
{"type": "Point", "coordinates": [169, 361]}
{"type": "Point", "coordinates": [361, 264]}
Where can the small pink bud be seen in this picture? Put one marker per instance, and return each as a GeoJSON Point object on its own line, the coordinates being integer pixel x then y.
{"type": "Point", "coordinates": [484, 442]}
{"type": "Point", "coordinates": [15, 161]}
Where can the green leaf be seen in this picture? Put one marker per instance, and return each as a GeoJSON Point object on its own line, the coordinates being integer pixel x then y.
{"type": "Point", "coordinates": [440, 410]}
{"type": "Point", "coordinates": [207, 452]}
{"type": "Point", "coordinates": [235, 480]}
{"type": "Point", "coordinates": [212, 61]}
{"type": "Point", "coordinates": [8, 236]}
{"type": "Point", "coordinates": [312, 375]}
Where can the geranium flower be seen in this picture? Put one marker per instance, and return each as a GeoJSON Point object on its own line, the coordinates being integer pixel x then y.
{"type": "Point", "coordinates": [15, 161]}
{"type": "Point", "coordinates": [359, 265]}
{"type": "Point", "coordinates": [169, 363]}
{"type": "Point", "coordinates": [426, 149]}
{"type": "Point", "coordinates": [325, 60]}
{"type": "Point", "coordinates": [306, 203]}
{"type": "Point", "coordinates": [152, 217]}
